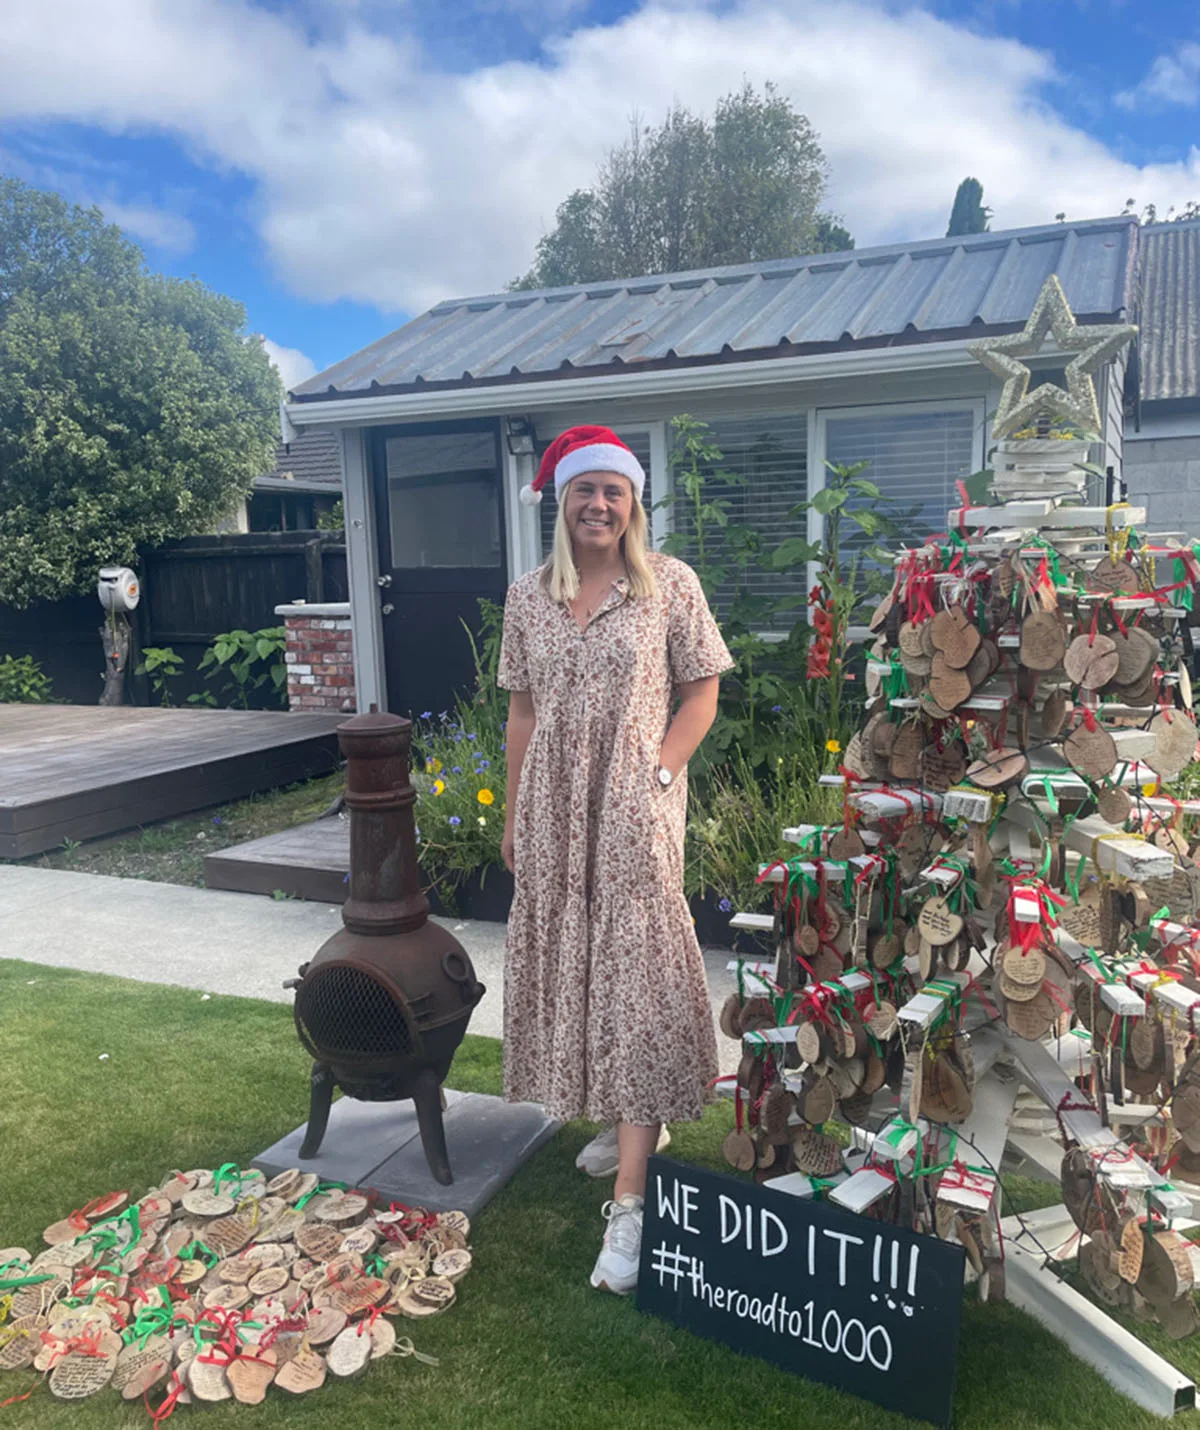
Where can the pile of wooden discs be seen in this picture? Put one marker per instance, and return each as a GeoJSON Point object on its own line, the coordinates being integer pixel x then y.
{"type": "Point", "coordinates": [218, 1285]}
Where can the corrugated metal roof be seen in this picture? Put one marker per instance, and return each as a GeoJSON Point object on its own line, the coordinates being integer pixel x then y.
{"type": "Point", "coordinates": [906, 293]}
{"type": "Point", "coordinates": [1169, 258]}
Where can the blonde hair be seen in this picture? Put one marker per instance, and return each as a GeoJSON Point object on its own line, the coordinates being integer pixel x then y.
{"type": "Point", "coordinates": [561, 576]}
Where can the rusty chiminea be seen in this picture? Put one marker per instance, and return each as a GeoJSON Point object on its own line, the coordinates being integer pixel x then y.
{"type": "Point", "coordinates": [384, 1004]}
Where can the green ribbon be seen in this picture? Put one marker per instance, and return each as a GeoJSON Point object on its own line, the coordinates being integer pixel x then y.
{"type": "Point", "coordinates": [12, 1283]}
{"type": "Point", "coordinates": [1102, 967]}
{"type": "Point", "coordinates": [228, 1172]}
{"type": "Point", "coordinates": [197, 1251]}
{"type": "Point", "coordinates": [317, 1191]}
{"type": "Point", "coordinates": [150, 1321]}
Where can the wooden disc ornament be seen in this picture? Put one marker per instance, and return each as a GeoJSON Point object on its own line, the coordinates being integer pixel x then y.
{"type": "Point", "coordinates": [738, 1151]}
{"type": "Point", "coordinates": [250, 1373]}
{"type": "Point", "coordinates": [998, 768]}
{"type": "Point", "coordinates": [1054, 714]}
{"type": "Point", "coordinates": [1114, 805]}
{"type": "Point", "coordinates": [1092, 752]}
{"type": "Point", "coordinates": [350, 1353]}
{"type": "Point", "coordinates": [303, 1373]}
{"type": "Point", "coordinates": [1112, 575]}
{"type": "Point", "coordinates": [1091, 661]}
{"type": "Point", "coordinates": [938, 923]}
{"type": "Point", "coordinates": [1043, 642]}
{"type": "Point", "coordinates": [1174, 734]}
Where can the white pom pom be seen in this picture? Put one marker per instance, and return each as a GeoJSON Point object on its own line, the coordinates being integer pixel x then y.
{"type": "Point", "coordinates": [530, 497]}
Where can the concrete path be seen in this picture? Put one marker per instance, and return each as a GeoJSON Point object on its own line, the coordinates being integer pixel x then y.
{"type": "Point", "coordinates": [219, 942]}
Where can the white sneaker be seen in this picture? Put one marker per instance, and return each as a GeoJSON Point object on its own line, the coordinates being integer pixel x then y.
{"type": "Point", "coordinates": [616, 1267]}
{"type": "Point", "coordinates": [600, 1157]}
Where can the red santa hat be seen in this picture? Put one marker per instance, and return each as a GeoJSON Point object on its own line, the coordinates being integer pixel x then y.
{"type": "Point", "coordinates": [579, 450]}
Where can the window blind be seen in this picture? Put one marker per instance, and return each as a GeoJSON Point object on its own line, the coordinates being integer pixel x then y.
{"type": "Point", "coordinates": [770, 457]}
{"type": "Point", "coordinates": [639, 444]}
{"type": "Point", "coordinates": [914, 459]}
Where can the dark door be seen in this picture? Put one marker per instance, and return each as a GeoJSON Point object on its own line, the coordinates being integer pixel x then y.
{"type": "Point", "coordinates": [440, 511]}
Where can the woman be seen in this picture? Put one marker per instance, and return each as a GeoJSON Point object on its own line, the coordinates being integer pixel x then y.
{"type": "Point", "coordinates": [612, 659]}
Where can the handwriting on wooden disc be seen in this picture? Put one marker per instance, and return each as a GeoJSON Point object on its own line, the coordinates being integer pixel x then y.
{"type": "Point", "coordinates": [1043, 643]}
{"type": "Point", "coordinates": [1091, 661]}
{"type": "Point", "coordinates": [1174, 734]}
{"type": "Point", "coordinates": [938, 922]}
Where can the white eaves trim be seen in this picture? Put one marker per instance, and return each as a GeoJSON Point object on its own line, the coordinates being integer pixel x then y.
{"type": "Point", "coordinates": [479, 401]}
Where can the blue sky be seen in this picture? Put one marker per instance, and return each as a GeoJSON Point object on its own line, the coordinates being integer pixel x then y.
{"type": "Point", "coordinates": [338, 165]}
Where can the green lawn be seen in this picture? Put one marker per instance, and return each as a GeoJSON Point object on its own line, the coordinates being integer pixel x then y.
{"type": "Point", "coordinates": [189, 1082]}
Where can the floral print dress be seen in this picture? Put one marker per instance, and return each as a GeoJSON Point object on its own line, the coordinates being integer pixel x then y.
{"type": "Point", "coordinates": [606, 1008]}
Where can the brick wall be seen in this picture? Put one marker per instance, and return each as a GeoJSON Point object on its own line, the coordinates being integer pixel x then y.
{"type": "Point", "coordinates": [320, 657]}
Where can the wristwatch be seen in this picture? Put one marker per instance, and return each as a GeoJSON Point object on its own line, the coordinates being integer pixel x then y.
{"type": "Point", "coordinates": [665, 777]}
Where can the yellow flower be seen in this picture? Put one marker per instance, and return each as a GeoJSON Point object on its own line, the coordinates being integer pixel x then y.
{"type": "Point", "coordinates": [485, 796]}
{"type": "Point", "coordinates": [833, 747]}
{"type": "Point", "coordinates": [435, 765]}
{"type": "Point", "coordinates": [439, 786]}
{"type": "Point", "coordinates": [1150, 790]}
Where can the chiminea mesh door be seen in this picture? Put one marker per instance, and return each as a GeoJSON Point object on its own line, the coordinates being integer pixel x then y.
{"type": "Point", "coordinates": [346, 1012]}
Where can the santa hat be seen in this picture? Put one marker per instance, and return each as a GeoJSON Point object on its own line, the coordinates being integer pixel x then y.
{"type": "Point", "coordinates": [579, 450]}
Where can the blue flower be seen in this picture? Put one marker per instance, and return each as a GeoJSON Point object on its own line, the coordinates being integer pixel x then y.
{"type": "Point", "coordinates": [483, 765]}
{"type": "Point", "coordinates": [503, 748]}
{"type": "Point", "coordinates": [470, 737]}
{"type": "Point", "coordinates": [454, 821]}
{"type": "Point", "coordinates": [725, 906]}
{"type": "Point", "coordinates": [426, 715]}
{"type": "Point", "coordinates": [217, 819]}
{"type": "Point", "coordinates": [457, 770]}
{"type": "Point", "coordinates": [775, 709]}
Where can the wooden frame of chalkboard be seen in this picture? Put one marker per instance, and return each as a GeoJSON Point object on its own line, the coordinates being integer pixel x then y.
{"type": "Point", "coordinates": [858, 1304]}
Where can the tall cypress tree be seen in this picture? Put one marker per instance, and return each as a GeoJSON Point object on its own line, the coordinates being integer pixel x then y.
{"type": "Point", "coordinates": [968, 214]}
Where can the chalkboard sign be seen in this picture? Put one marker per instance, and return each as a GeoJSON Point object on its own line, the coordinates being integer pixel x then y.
{"type": "Point", "coordinates": [861, 1305]}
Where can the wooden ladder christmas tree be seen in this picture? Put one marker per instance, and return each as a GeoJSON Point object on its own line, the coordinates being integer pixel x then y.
{"type": "Point", "coordinates": [1009, 900]}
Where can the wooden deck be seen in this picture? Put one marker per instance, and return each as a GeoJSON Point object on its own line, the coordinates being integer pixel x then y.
{"type": "Point", "coordinates": [310, 861]}
{"type": "Point", "coordinates": [79, 771]}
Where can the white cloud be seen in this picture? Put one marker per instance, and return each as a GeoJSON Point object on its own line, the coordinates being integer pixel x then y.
{"type": "Point", "coordinates": [382, 180]}
{"type": "Point", "coordinates": [1172, 79]}
{"type": "Point", "coordinates": [293, 365]}
{"type": "Point", "coordinates": [170, 232]}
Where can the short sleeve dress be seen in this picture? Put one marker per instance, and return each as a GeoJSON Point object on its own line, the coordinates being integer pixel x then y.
{"type": "Point", "coordinates": [606, 1008]}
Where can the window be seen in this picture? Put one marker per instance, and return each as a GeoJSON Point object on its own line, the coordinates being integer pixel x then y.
{"type": "Point", "coordinates": [914, 458]}
{"type": "Point", "coordinates": [444, 501]}
{"type": "Point", "coordinates": [769, 456]}
{"type": "Point", "coordinates": [639, 444]}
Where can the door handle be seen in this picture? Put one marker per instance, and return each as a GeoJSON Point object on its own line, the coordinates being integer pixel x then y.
{"type": "Point", "coordinates": [387, 608]}
{"type": "Point", "coordinates": [383, 581]}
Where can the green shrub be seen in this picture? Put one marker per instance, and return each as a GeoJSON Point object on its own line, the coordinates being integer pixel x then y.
{"type": "Point", "coordinates": [161, 664]}
{"type": "Point", "coordinates": [22, 681]}
{"type": "Point", "coordinates": [245, 663]}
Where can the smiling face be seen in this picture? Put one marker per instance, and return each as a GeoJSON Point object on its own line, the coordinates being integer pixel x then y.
{"type": "Point", "coordinates": [597, 509]}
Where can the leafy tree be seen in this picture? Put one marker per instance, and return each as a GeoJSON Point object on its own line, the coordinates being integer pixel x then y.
{"type": "Point", "coordinates": [694, 193]}
{"type": "Point", "coordinates": [968, 214]}
{"type": "Point", "coordinates": [134, 408]}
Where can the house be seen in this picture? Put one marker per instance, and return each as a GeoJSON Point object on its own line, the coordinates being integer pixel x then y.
{"type": "Point", "coordinates": [304, 485]}
{"type": "Point", "coordinates": [841, 357]}
{"type": "Point", "coordinates": [1162, 453]}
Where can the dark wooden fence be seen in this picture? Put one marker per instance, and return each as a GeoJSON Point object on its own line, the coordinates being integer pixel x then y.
{"type": "Point", "coordinates": [191, 592]}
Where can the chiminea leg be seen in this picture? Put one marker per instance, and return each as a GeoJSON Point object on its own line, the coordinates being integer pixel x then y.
{"type": "Point", "coordinates": [320, 1100]}
{"type": "Point", "coordinates": [427, 1095]}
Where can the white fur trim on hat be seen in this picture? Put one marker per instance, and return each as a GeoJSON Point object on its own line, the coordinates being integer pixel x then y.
{"type": "Point", "coordinates": [599, 457]}
{"type": "Point", "coordinates": [530, 496]}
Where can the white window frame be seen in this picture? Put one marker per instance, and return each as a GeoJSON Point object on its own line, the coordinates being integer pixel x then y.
{"type": "Point", "coordinates": [818, 429]}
